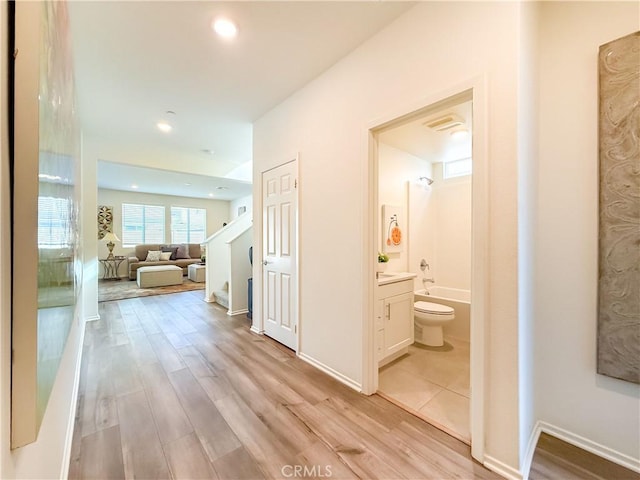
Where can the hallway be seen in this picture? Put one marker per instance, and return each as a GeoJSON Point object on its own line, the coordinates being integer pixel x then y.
{"type": "Point", "coordinates": [172, 387]}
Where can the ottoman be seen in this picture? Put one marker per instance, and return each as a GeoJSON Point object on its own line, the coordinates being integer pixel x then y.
{"type": "Point", "coordinates": [159, 276]}
{"type": "Point", "coordinates": [196, 273]}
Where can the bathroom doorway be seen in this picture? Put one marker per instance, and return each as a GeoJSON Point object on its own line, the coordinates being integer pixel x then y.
{"type": "Point", "coordinates": [425, 165]}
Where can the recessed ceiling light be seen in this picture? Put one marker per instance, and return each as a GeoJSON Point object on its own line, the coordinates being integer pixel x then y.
{"type": "Point", "coordinates": [164, 127]}
{"type": "Point", "coordinates": [459, 133]}
{"type": "Point", "coordinates": [134, 186]}
{"type": "Point", "coordinates": [225, 28]}
{"type": "Point", "coordinates": [222, 188]}
{"type": "Point", "coordinates": [187, 184]}
{"type": "Point", "coordinates": [207, 151]}
{"type": "Point", "coordinates": [211, 194]}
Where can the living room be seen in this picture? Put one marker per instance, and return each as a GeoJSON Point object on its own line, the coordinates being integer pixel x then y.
{"type": "Point", "coordinates": [140, 205]}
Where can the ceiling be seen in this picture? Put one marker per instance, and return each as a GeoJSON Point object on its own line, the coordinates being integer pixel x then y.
{"type": "Point", "coordinates": [134, 61]}
{"type": "Point", "coordinates": [118, 176]}
{"type": "Point", "coordinates": [428, 144]}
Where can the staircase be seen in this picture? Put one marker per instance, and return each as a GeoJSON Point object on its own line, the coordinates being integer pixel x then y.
{"type": "Point", "coordinates": [228, 266]}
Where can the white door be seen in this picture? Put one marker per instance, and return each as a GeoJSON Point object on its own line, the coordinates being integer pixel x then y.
{"type": "Point", "coordinates": [279, 244]}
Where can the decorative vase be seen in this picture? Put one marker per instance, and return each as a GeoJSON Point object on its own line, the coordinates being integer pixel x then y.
{"type": "Point", "coordinates": [382, 266]}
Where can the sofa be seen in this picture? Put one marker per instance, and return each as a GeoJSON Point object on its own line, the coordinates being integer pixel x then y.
{"type": "Point", "coordinates": [180, 252]}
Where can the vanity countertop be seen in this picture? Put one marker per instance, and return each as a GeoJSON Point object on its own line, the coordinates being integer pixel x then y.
{"type": "Point", "coordinates": [385, 278]}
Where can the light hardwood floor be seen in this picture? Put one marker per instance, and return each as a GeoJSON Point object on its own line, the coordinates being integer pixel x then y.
{"type": "Point", "coordinates": [555, 459]}
{"type": "Point", "coordinates": [172, 387]}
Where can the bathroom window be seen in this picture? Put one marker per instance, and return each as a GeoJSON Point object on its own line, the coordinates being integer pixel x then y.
{"type": "Point", "coordinates": [457, 168]}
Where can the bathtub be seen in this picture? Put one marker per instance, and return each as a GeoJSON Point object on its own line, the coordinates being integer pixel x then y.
{"type": "Point", "coordinates": [459, 300]}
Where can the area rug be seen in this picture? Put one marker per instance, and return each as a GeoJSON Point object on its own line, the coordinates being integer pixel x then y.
{"type": "Point", "coordinates": [109, 290]}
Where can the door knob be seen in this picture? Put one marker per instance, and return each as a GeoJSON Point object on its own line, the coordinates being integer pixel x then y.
{"type": "Point", "coordinates": [265, 262]}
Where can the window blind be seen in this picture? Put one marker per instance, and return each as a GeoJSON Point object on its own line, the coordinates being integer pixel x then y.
{"type": "Point", "coordinates": [188, 225]}
{"type": "Point", "coordinates": [142, 224]}
{"type": "Point", "coordinates": [54, 225]}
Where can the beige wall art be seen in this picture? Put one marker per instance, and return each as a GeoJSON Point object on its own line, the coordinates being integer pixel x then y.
{"type": "Point", "coordinates": [105, 220]}
{"type": "Point", "coordinates": [619, 222]}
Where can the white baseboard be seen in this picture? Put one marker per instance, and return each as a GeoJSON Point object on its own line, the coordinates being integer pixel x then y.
{"type": "Point", "coordinates": [74, 405]}
{"type": "Point", "coordinates": [502, 468]}
{"type": "Point", "coordinates": [237, 312]}
{"type": "Point", "coordinates": [208, 300]}
{"type": "Point", "coordinates": [331, 372]}
{"type": "Point", "coordinates": [531, 449]}
{"type": "Point", "coordinates": [92, 318]}
{"type": "Point", "coordinates": [391, 358]}
{"type": "Point", "coordinates": [588, 445]}
{"type": "Point", "coordinates": [256, 330]}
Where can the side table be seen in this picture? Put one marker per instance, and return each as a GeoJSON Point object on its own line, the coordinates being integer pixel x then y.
{"type": "Point", "coordinates": [110, 266]}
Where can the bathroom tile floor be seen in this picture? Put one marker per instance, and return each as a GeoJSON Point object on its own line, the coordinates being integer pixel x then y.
{"type": "Point", "coordinates": [433, 383]}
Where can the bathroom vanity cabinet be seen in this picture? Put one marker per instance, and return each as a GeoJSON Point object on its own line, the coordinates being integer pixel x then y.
{"type": "Point", "coordinates": [394, 319]}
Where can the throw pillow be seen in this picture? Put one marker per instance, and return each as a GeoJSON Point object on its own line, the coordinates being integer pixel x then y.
{"type": "Point", "coordinates": [164, 256]}
{"type": "Point", "coordinates": [153, 256]}
{"type": "Point", "coordinates": [183, 251]}
{"type": "Point", "coordinates": [173, 250]}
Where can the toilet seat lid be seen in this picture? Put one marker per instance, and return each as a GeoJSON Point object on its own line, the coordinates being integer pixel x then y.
{"type": "Point", "coordinates": [433, 308]}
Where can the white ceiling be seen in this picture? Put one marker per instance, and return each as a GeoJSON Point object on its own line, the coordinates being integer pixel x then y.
{"type": "Point", "coordinates": [134, 61]}
{"type": "Point", "coordinates": [418, 140]}
{"type": "Point", "coordinates": [117, 176]}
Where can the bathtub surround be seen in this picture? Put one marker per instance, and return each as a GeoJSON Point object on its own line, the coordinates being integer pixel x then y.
{"type": "Point", "coordinates": [440, 225]}
{"type": "Point", "coordinates": [619, 235]}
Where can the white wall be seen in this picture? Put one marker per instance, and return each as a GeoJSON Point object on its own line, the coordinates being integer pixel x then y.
{"type": "Point", "coordinates": [568, 392]}
{"type": "Point", "coordinates": [527, 204]}
{"type": "Point", "coordinates": [90, 270]}
{"type": "Point", "coordinates": [395, 169]}
{"type": "Point", "coordinates": [424, 53]}
{"type": "Point", "coordinates": [240, 202]}
{"type": "Point", "coordinates": [217, 214]}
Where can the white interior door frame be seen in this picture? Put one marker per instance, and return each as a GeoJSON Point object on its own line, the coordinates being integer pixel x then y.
{"type": "Point", "coordinates": [258, 320]}
{"type": "Point", "coordinates": [476, 87]}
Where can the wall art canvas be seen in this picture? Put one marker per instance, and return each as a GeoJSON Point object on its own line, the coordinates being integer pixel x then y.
{"type": "Point", "coordinates": [619, 209]}
{"type": "Point", "coordinates": [394, 229]}
{"type": "Point", "coordinates": [105, 220]}
{"type": "Point", "coordinates": [46, 246]}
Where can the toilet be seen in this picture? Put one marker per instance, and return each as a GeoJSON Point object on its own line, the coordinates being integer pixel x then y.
{"type": "Point", "coordinates": [431, 317]}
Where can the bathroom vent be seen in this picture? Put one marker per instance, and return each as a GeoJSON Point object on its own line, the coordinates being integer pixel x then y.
{"type": "Point", "coordinates": [445, 123]}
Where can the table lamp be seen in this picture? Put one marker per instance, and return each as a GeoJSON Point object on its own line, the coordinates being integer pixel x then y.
{"type": "Point", "coordinates": [110, 237]}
